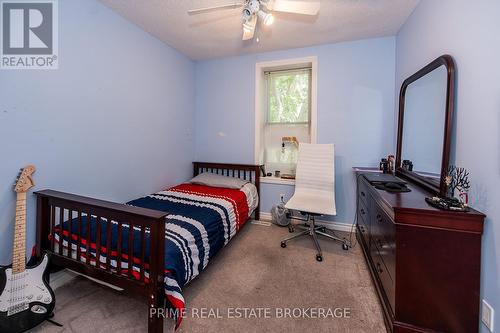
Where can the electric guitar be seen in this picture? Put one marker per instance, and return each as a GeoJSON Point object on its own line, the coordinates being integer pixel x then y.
{"type": "Point", "coordinates": [26, 298]}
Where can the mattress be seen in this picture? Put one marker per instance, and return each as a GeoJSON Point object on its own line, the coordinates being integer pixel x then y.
{"type": "Point", "coordinates": [201, 221]}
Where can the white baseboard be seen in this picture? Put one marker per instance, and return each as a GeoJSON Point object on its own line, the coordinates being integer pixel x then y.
{"type": "Point", "coordinates": [328, 224]}
{"type": "Point", "coordinates": [60, 278]}
{"type": "Point", "coordinates": [64, 276]}
{"type": "Point", "coordinates": [99, 281]}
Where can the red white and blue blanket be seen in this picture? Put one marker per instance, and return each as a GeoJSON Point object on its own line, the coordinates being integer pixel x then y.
{"type": "Point", "coordinates": [201, 221]}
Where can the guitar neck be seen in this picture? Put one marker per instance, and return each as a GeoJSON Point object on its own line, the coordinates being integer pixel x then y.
{"type": "Point", "coordinates": [19, 247]}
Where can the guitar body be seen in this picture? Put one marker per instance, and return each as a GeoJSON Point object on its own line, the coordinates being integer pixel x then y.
{"type": "Point", "coordinates": [26, 298]}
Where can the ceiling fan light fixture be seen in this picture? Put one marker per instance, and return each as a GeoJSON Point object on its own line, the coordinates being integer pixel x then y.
{"type": "Point", "coordinates": [261, 10]}
{"type": "Point", "coordinates": [267, 18]}
{"type": "Point", "coordinates": [246, 14]}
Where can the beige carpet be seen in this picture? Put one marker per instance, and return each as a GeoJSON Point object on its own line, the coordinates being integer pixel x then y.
{"type": "Point", "coordinates": [253, 271]}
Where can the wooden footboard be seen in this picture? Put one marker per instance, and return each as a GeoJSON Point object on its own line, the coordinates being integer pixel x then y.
{"type": "Point", "coordinates": [54, 208]}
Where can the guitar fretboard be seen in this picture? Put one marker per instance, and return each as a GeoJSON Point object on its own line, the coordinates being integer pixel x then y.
{"type": "Point", "coordinates": [19, 247]}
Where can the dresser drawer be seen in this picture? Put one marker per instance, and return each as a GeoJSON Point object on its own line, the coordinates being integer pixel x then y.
{"type": "Point", "coordinates": [363, 230]}
{"type": "Point", "coordinates": [363, 213]}
{"type": "Point", "coordinates": [387, 252]}
{"type": "Point", "coordinates": [363, 191]}
{"type": "Point", "coordinates": [383, 236]}
{"type": "Point", "coordinates": [384, 225]}
{"type": "Point", "coordinates": [363, 219]}
{"type": "Point", "coordinates": [383, 275]}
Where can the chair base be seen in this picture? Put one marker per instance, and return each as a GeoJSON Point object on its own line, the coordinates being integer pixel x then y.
{"type": "Point", "coordinates": [313, 230]}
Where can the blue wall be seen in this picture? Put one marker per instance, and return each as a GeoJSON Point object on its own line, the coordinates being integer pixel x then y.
{"type": "Point", "coordinates": [469, 31]}
{"type": "Point", "coordinates": [114, 122]}
{"type": "Point", "coordinates": [355, 110]}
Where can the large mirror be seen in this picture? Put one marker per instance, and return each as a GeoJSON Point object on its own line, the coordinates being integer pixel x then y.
{"type": "Point", "coordinates": [425, 121]}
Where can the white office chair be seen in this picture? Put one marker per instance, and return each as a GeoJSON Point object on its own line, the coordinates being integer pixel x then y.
{"type": "Point", "coordinates": [314, 192]}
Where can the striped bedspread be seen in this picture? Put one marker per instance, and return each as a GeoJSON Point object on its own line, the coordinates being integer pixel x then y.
{"type": "Point", "coordinates": [201, 221]}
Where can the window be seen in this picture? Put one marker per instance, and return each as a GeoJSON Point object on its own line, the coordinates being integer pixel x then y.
{"type": "Point", "coordinates": [285, 111]}
{"type": "Point", "coordinates": [288, 96]}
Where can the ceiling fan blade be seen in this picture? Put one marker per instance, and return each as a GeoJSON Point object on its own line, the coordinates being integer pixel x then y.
{"type": "Point", "coordinates": [249, 28]}
{"type": "Point", "coordinates": [296, 7]}
{"type": "Point", "coordinates": [210, 9]}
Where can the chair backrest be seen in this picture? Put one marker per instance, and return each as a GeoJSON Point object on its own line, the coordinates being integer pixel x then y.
{"type": "Point", "coordinates": [316, 170]}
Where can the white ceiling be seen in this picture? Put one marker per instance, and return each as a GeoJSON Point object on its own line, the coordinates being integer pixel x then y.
{"type": "Point", "coordinates": [218, 34]}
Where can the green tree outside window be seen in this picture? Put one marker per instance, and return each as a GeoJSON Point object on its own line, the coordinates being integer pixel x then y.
{"type": "Point", "coordinates": [289, 96]}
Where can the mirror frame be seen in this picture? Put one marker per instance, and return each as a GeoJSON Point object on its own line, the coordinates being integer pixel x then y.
{"type": "Point", "coordinates": [447, 61]}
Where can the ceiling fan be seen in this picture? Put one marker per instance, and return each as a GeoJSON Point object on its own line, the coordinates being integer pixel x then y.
{"type": "Point", "coordinates": [253, 9]}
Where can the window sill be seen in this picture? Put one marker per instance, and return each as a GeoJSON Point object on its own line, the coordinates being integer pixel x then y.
{"type": "Point", "coordinates": [277, 180]}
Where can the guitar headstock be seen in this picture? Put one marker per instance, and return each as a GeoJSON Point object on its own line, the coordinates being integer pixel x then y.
{"type": "Point", "coordinates": [24, 181]}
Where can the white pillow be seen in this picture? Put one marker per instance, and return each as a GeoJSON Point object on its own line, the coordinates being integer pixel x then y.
{"type": "Point", "coordinates": [214, 180]}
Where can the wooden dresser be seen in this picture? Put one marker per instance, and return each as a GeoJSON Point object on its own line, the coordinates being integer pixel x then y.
{"type": "Point", "coordinates": [425, 263]}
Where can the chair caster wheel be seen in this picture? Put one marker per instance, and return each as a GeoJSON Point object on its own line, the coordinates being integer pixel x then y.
{"type": "Point", "coordinates": [291, 229]}
{"type": "Point", "coordinates": [345, 247]}
{"type": "Point", "coordinates": [323, 229]}
{"type": "Point", "coordinates": [319, 257]}
{"type": "Point", "coordinates": [283, 244]}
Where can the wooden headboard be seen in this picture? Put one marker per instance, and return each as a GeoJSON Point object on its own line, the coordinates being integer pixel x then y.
{"type": "Point", "coordinates": [248, 172]}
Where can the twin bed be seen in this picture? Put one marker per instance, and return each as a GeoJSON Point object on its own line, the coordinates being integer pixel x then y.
{"type": "Point", "coordinates": [175, 233]}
